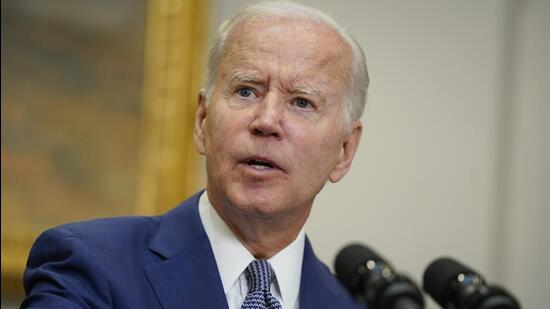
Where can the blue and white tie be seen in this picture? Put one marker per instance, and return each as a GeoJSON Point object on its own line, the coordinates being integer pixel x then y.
{"type": "Point", "coordinates": [259, 275]}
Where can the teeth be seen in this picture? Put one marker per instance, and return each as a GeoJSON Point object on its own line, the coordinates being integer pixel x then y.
{"type": "Point", "coordinates": [260, 167]}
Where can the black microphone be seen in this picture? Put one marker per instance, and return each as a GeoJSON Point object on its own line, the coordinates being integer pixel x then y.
{"type": "Point", "coordinates": [455, 286]}
{"type": "Point", "coordinates": [371, 280]}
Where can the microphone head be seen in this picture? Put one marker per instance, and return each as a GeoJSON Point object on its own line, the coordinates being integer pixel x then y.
{"type": "Point", "coordinates": [439, 276]}
{"type": "Point", "coordinates": [454, 285]}
{"type": "Point", "coordinates": [349, 260]}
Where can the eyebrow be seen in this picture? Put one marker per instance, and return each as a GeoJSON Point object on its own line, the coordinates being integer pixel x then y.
{"type": "Point", "coordinates": [307, 90]}
{"type": "Point", "coordinates": [244, 77]}
{"type": "Point", "coordinates": [252, 77]}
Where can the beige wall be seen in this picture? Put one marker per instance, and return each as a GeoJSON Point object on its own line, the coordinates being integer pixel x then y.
{"type": "Point", "coordinates": [526, 194]}
{"type": "Point", "coordinates": [454, 159]}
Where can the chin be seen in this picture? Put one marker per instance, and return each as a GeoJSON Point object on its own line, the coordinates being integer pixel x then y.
{"type": "Point", "coordinates": [265, 203]}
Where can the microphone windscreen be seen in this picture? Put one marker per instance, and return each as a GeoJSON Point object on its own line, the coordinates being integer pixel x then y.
{"type": "Point", "coordinates": [439, 275]}
{"type": "Point", "coordinates": [348, 261]}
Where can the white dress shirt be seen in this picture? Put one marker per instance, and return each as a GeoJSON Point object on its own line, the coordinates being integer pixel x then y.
{"type": "Point", "coordinates": [232, 258]}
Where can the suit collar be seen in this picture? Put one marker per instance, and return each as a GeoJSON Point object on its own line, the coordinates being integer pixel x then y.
{"type": "Point", "coordinates": [178, 228]}
{"type": "Point", "coordinates": [318, 288]}
{"type": "Point", "coordinates": [187, 277]}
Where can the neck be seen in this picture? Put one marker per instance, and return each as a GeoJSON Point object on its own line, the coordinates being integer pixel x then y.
{"type": "Point", "coordinates": [263, 237]}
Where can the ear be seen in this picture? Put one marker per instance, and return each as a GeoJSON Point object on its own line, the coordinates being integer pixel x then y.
{"type": "Point", "coordinates": [200, 116]}
{"type": "Point", "coordinates": [349, 148]}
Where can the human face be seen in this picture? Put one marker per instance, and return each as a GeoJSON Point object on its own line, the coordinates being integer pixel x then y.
{"type": "Point", "coordinates": [272, 130]}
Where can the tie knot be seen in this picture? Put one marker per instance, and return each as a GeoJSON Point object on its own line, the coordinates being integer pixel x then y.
{"type": "Point", "coordinates": [259, 275]}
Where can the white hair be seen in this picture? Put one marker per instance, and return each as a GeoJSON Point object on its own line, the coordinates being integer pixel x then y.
{"type": "Point", "coordinates": [355, 97]}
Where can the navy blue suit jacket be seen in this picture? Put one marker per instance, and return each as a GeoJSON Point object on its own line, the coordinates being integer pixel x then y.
{"type": "Point", "coordinates": [147, 262]}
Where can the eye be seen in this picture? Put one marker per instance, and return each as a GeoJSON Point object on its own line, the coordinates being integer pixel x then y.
{"type": "Point", "coordinates": [302, 103]}
{"type": "Point", "coordinates": [245, 92]}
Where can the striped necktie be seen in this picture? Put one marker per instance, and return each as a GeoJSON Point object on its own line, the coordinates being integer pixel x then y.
{"type": "Point", "coordinates": [259, 275]}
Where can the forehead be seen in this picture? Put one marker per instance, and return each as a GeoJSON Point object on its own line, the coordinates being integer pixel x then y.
{"type": "Point", "coordinates": [289, 47]}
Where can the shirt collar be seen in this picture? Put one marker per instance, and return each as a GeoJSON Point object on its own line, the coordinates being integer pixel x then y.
{"type": "Point", "coordinates": [287, 265]}
{"type": "Point", "coordinates": [232, 257]}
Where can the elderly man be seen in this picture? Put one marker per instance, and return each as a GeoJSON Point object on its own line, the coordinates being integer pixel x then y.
{"type": "Point", "coordinates": [278, 118]}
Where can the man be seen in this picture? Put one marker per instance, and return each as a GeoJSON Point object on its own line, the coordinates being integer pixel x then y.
{"type": "Point", "coordinates": [279, 117]}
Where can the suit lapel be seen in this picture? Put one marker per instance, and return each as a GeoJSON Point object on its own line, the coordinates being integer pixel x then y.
{"type": "Point", "coordinates": [188, 276]}
{"type": "Point", "coordinates": [316, 289]}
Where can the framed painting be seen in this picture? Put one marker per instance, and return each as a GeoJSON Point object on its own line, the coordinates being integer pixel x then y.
{"type": "Point", "coordinates": [97, 111]}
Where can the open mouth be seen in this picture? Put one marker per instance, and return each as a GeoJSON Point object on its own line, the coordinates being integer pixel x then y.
{"type": "Point", "coordinates": [259, 164]}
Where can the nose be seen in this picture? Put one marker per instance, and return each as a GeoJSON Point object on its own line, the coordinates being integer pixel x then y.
{"type": "Point", "coordinates": [268, 117]}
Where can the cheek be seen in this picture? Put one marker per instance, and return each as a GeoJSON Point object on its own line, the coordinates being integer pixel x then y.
{"type": "Point", "coordinates": [318, 155]}
{"type": "Point", "coordinates": [217, 129]}
{"type": "Point", "coordinates": [223, 131]}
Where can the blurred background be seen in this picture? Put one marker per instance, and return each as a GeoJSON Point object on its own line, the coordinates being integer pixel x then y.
{"type": "Point", "coordinates": [98, 97]}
